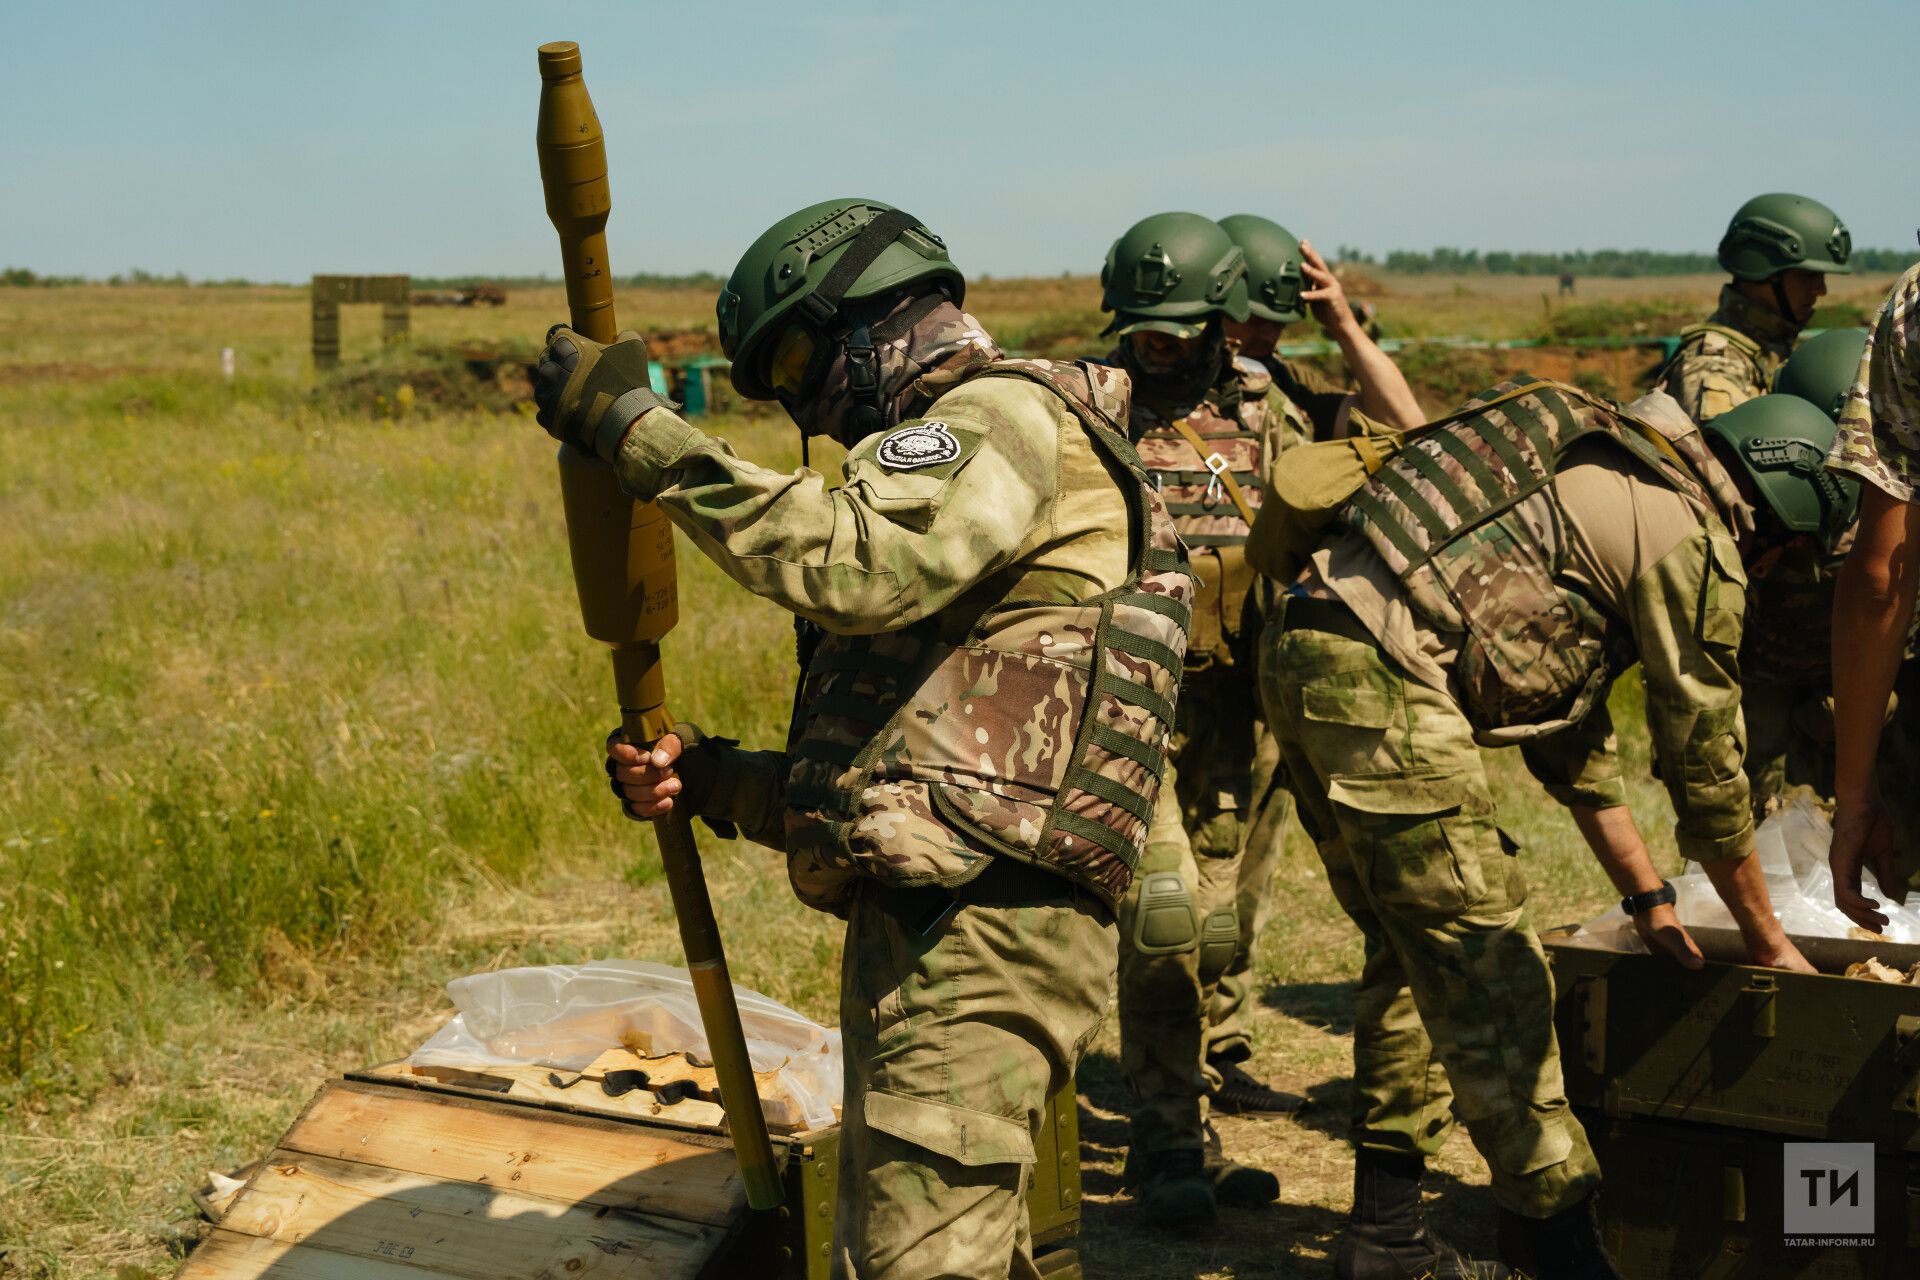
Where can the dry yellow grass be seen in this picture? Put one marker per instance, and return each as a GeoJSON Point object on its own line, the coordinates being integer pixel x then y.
{"type": "Point", "coordinates": [296, 724]}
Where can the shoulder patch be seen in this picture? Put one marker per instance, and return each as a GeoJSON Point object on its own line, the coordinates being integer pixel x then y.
{"type": "Point", "coordinates": [924, 444]}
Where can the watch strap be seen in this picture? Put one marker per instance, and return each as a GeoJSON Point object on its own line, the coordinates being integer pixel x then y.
{"type": "Point", "coordinates": [1664, 896]}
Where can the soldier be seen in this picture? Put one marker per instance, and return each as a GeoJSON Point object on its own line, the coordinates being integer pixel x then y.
{"type": "Point", "coordinates": [1786, 672]}
{"type": "Point", "coordinates": [1779, 249]}
{"type": "Point", "coordinates": [995, 605]}
{"type": "Point", "coordinates": [1208, 428]}
{"type": "Point", "coordinates": [1877, 821]}
{"type": "Point", "coordinates": [1285, 278]}
{"type": "Point", "coordinates": [1485, 588]}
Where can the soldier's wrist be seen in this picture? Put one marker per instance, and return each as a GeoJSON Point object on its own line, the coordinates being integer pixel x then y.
{"type": "Point", "coordinates": [648, 446]}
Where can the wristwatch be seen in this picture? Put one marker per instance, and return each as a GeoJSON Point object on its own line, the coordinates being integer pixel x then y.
{"type": "Point", "coordinates": [1661, 897]}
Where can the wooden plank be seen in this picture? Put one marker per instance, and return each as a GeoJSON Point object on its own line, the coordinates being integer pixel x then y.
{"type": "Point", "coordinates": [639, 1103]}
{"type": "Point", "coordinates": [576, 1159]}
{"type": "Point", "coordinates": [224, 1255]}
{"type": "Point", "coordinates": [458, 1228]}
{"type": "Point", "coordinates": [575, 1092]}
{"type": "Point", "coordinates": [783, 1112]}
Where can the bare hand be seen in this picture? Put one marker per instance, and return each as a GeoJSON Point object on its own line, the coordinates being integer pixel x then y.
{"type": "Point", "coordinates": [1860, 838]}
{"type": "Point", "coordinates": [1326, 296]}
{"type": "Point", "coordinates": [645, 780]}
{"type": "Point", "coordinates": [1780, 955]}
{"type": "Point", "coordinates": [1661, 930]}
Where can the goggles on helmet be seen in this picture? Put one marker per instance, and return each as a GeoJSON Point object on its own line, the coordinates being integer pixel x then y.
{"type": "Point", "coordinates": [792, 361]}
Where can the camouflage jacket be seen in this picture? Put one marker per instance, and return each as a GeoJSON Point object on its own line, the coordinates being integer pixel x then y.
{"type": "Point", "coordinates": [1729, 359]}
{"type": "Point", "coordinates": [979, 578]}
{"type": "Point", "coordinates": [1244, 442]}
{"type": "Point", "coordinates": [1523, 558]}
{"type": "Point", "coordinates": [1879, 436]}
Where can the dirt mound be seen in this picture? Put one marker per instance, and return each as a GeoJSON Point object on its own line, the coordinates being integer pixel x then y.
{"type": "Point", "coordinates": [429, 379]}
{"type": "Point", "coordinates": [681, 344]}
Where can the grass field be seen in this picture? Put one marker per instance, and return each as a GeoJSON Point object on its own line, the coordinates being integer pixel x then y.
{"type": "Point", "coordinates": [296, 723]}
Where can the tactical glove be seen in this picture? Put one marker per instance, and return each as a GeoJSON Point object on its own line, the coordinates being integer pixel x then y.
{"type": "Point", "coordinates": [588, 394]}
{"type": "Point", "coordinates": [706, 783]}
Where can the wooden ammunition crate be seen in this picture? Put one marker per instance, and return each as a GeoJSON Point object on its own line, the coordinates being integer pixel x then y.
{"type": "Point", "coordinates": [390, 1176]}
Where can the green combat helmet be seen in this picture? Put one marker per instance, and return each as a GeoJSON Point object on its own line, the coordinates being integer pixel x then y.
{"type": "Point", "coordinates": [1779, 232]}
{"type": "Point", "coordinates": [1822, 369]}
{"type": "Point", "coordinates": [809, 263]}
{"type": "Point", "coordinates": [1274, 275]}
{"type": "Point", "coordinates": [1172, 272]}
{"type": "Point", "coordinates": [1781, 443]}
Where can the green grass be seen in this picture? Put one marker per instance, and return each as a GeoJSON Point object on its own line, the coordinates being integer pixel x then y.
{"type": "Point", "coordinates": [297, 722]}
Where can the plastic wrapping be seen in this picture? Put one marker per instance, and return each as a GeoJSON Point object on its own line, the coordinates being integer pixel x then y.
{"type": "Point", "coordinates": [566, 1015]}
{"type": "Point", "coordinates": [1792, 848]}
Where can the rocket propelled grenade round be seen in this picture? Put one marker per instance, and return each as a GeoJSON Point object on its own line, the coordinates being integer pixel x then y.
{"type": "Point", "coordinates": [623, 568]}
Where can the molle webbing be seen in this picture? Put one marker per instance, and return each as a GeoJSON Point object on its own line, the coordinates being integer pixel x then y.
{"type": "Point", "coordinates": [1159, 587]}
{"type": "Point", "coordinates": [1039, 733]}
{"type": "Point", "coordinates": [1210, 471]}
{"type": "Point", "coordinates": [1451, 516]}
{"type": "Point", "coordinates": [1497, 452]}
{"type": "Point", "coordinates": [1224, 473]}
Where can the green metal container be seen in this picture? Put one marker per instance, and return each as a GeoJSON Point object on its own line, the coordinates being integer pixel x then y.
{"type": "Point", "coordinates": [1697, 1087]}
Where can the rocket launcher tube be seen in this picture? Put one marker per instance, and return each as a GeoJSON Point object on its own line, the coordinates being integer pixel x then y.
{"type": "Point", "coordinates": [623, 569]}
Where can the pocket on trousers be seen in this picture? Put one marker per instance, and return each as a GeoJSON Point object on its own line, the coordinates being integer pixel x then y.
{"type": "Point", "coordinates": [959, 1133]}
{"type": "Point", "coordinates": [1357, 706]}
{"type": "Point", "coordinates": [1415, 836]}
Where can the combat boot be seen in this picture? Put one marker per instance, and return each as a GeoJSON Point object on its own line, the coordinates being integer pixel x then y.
{"type": "Point", "coordinates": [1243, 1094]}
{"type": "Point", "coordinates": [1174, 1190]}
{"type": "Point", "coordinates": [1564, 1247]}
{"type": "Point", "coordinates": [1387, 1236]}
{"type": "Point", "coordinates": [1235, 1185]}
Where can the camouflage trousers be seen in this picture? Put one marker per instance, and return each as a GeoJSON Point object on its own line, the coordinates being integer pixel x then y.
{"type": "Point", "coordinates": [954, 1040]}
{"type": "Point", "coordinates": [1197, 832]}
{"type": "Point", "coordinates": [1228, 1009]}
{"type": "Point", "coordinates": [1394, 792]}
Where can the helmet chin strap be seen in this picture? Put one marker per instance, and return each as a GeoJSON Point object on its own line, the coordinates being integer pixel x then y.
{"type": "Point", "coordinates": [1780, 300]}
{"type": "Point", "coordinates": [863, 380]}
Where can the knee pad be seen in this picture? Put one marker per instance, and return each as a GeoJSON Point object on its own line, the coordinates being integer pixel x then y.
{"type": "Point", "coordinates": [1163, 920]}
{"type": "Point", "coordinates": [1219, 939]}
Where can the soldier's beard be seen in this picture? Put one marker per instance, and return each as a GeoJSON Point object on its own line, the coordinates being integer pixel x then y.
{"type": "Point", "coordinates": [936, 348]}
{"type": "Point", "coordinates": [1172, 391]}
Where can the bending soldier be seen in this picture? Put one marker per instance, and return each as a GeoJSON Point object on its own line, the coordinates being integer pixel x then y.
{"type": "Point", "coordinates": [995, 532]}
{"type": "Point", "coordinates": [1485, 588]}
{"type": "Point", "coordinates": [1779, 250]}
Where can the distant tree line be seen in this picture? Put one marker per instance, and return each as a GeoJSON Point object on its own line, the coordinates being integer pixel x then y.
{"type": "Point", "coordinates": [640, 280]}
{"type": "Point", "coordinates": [1440, 261]}
{"type": "Point", "coordinates": [1582, 262]}
{"type": "Point", "coordinates": [22, 278]}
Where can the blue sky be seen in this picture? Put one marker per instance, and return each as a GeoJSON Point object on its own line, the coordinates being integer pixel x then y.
{"type": "Point", "coordinates": [275, 140]}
